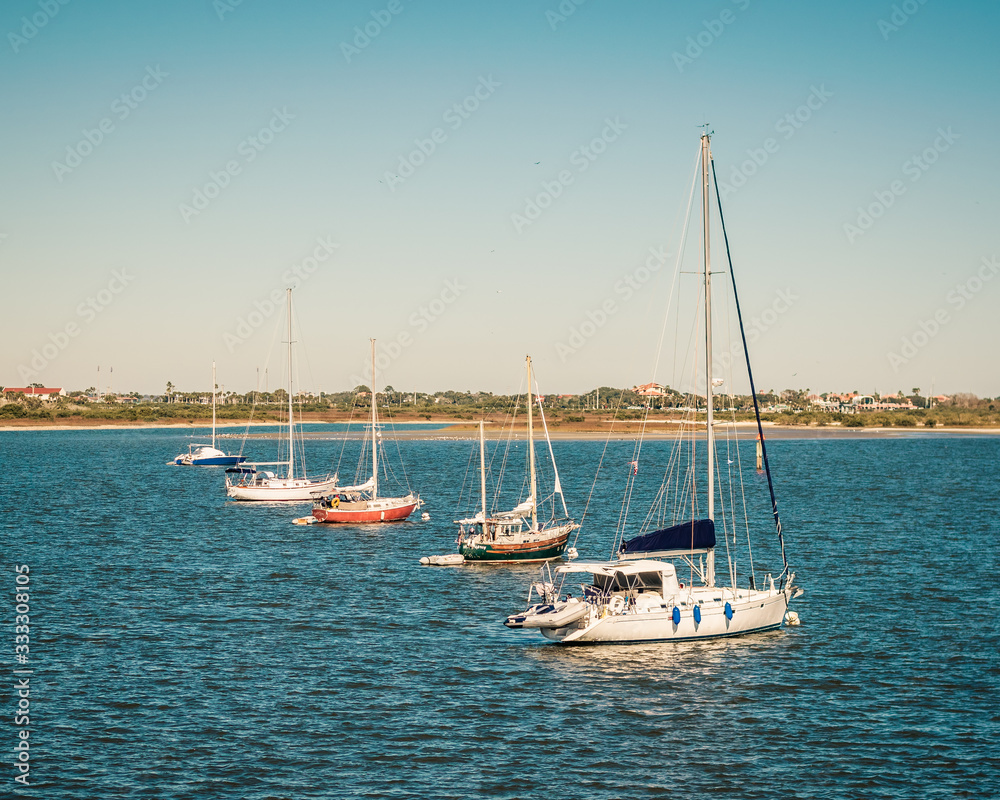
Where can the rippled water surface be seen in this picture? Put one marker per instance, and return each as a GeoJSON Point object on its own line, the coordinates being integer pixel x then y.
{"type": "Point", "coordinates": [185, 646]}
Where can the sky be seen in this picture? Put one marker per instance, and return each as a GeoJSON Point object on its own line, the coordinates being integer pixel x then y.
{"type": "Point", "coordinates": [468, 183]}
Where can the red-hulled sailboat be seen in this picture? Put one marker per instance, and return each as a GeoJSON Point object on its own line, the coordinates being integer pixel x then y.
{"type": "Point", "coordinates": [362, 504]}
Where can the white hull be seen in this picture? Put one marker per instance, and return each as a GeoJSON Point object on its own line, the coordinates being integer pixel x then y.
{"type": "Point", "coordinates": [752, 611]}
{"type": "Point", "coordinates": [560, 614]}
{"type": "Point", "coordinates": [281, 489]}
{"type": "Point", "coordinates": [449, 560]}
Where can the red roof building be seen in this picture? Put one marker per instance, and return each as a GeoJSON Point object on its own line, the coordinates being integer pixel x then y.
{"type": "Point", "coordinates": [35, 391]}
{"type": "Point", "coordinates": [649, 390]}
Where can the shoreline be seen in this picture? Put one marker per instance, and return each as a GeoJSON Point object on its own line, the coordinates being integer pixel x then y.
{"type": "Point", "coordinates": [464, 429]}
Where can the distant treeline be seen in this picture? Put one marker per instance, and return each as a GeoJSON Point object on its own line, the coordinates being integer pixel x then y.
{"type": "Point", "coordinates": [465, 406]}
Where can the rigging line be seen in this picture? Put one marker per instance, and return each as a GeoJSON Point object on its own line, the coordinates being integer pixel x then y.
{"type": "Point", "coordinates": [343, 441]}
{"type": "Point", "coordinates": [557, 486]}
{"type": "Point", "coordinates": [488, 461]}
{"type": "Point", "coordinates": [516, 403]}
{"type": "Point", "coordinates": [733, 449]}
{"type": "Point", "coordinates": [743, 497]}
{"type": "Point", "coordinates": [593, 486]}
{"type": "Point", "coordinates": [304, 351]}
{"type": "Point", "coordinates": [275, 335]}
{"type": "Point", "coordinates": [294, 378]}
{"type": "Point", "coordinates": [246, 431]}
{"type": "Point", "coordinates": [680, 255]}
{"type": "Point", "coordinates": [494, 479]}
{"type": "Point", "coordinates": [629, 486]}
{"type": "Point", "coordinates": [623, 514]}
{"type": "Point", "coordinates": [738, 459]}
{"type": "Point", "coordinates": [503, 453]}
{"type": "Point", "coordinates": [671, 477]}
{"type": "Point", "coordinates": [399, 454]}
{"type": "Point", "coordinates": [463, 502]}
{"type": "Point", "coordinates": [673, 286]}
{"type": "Point", "coordinates": [753, 391]}
{"type": "Point", "coordinates": [688, 491]}
{"type": "Point", "coordinates": [730, 435]}
{"type": "Point", "coordinates": [363, 455]}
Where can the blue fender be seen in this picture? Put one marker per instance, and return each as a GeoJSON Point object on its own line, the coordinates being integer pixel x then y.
{"type": "Point", "coordinates": [677, 616]}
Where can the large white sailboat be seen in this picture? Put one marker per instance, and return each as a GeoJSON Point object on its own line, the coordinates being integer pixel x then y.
{"type": "Point", "coordinates": [248, 482]}
{"type": "Point", "coordinates": [663, 583]}
{"type": "Point", "coordinates": [516, 535]}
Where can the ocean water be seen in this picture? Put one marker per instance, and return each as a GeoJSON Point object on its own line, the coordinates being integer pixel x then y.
{"type": "Point", "coordinates": [184, 646]}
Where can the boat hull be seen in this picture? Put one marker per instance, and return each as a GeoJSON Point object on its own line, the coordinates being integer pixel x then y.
{"type": "Point", "coordinates": [558, 614]}
{"type": "Point", "coordinates": [207, 456]}
{"type": "Point", "coordinates": [389, 509]}
{"type": "Point", "coordinates": [752, 612]}
{"type": "Point", "coordinates": [449, 560]}
{"type": "Point", "coordinates": [279, 490]}
{"type": "Point", "coordinates": [505, 552]}
{"type": "Point", "coordinates": [217, 461]}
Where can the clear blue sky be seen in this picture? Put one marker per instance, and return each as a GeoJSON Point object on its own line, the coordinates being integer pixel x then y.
{"type": "Point", "coordinates": [107, 240]}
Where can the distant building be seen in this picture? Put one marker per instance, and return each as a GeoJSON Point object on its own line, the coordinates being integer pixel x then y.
{"type": "Point", "coordinates": [867, 402]}
{"type": "Point", "coordinates": [35, 391]}
{"type": "Point", "coordinates": [649, 390]}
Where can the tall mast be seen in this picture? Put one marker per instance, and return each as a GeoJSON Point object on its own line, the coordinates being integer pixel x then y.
{"type": "Point", "coordinates": [374, 434]}
{"type": "Point", "coordinates": [213, 404]}
{"type": "Point", "coordinates": [706, 155]}
{"type": "Point", "coordinates": [291, 423]}
{"type": "Point", "coordinates": [531, 456]}
{"type": "Point", "coordinates": [482, 468]}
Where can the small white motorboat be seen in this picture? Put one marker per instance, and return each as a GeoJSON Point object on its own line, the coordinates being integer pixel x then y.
{"type": "Point", "coordinates": [449, 560]}
{"type": "Point", "coordinates": [549, 615]}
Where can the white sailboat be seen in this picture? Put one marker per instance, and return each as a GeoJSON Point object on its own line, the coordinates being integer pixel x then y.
{"type": "Point", "coordinates": [515, 535]}
{"type": "Point", "coordinates": [663, 584]}
{"type": "Point", "coordinates": [247, 482]}
{"type": "Point", "coordinates": [205, 455]}
{"type": "Point", "coordinates": [362, 504]}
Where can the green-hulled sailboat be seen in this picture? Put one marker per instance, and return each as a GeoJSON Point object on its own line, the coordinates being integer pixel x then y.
{"type": "Point", "coordinates": [515, 535]}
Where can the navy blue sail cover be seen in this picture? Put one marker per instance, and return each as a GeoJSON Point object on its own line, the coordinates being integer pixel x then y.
{"type": "Point", "coordinates": [695, 535]}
